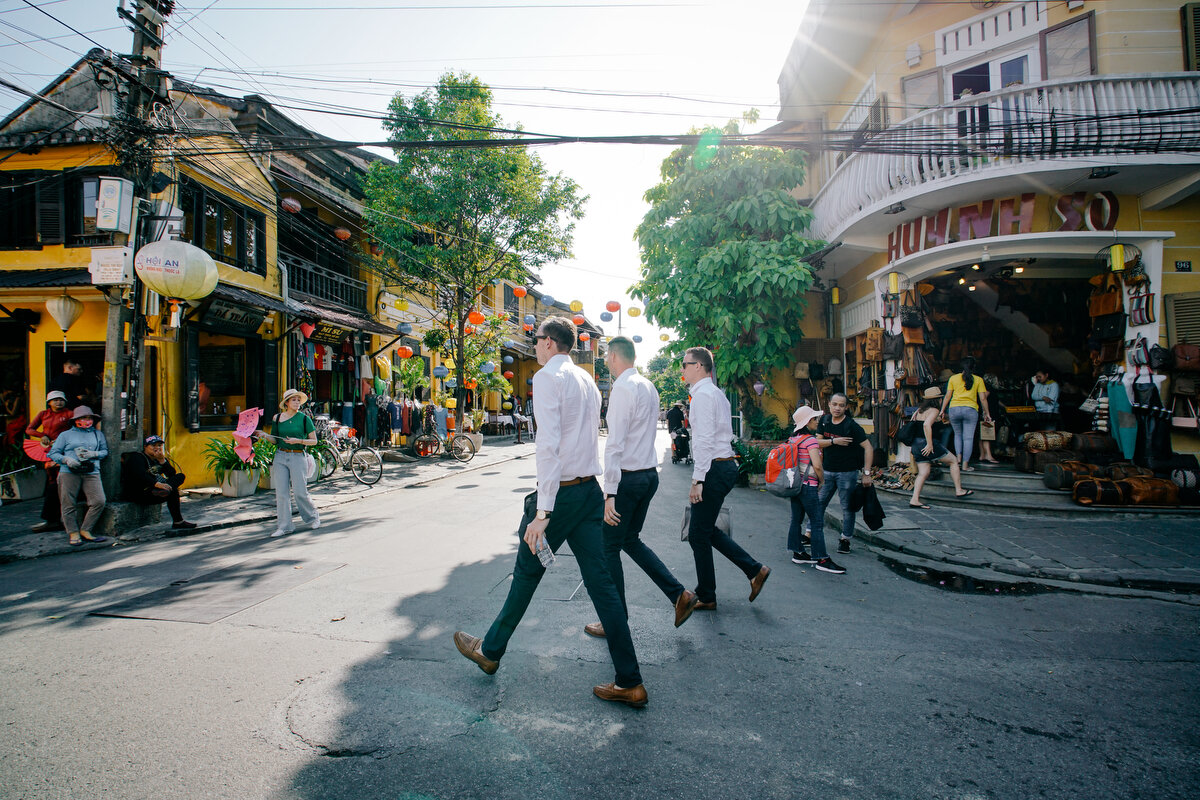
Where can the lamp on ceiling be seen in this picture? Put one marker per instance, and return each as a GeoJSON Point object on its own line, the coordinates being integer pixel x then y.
{"type": "Point", "coordinates": [1100, 173]}
{"type": "Point", "coordinates": [895, 208]}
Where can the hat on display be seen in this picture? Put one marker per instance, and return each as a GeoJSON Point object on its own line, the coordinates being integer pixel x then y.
{"type": "Point", "coordinates": [154, 439]}
{"type": "Point", "coordinates": [933, 393]}
{"type": "Point", "coordinates": [83, 412]}
{"type": "Point", "coordinates": [56, 395]}
{"type": "Point", "coordinates": [289, 394]}
{"type": "Point", "coordinates": [804, 415]}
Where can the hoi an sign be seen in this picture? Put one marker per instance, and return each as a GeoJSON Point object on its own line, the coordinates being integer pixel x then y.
{"type": "Point", "coordinates": [1005, 217]}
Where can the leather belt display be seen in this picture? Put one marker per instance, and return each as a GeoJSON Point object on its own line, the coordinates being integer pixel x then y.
{"type": "Point", "coordinates": [575, 481]}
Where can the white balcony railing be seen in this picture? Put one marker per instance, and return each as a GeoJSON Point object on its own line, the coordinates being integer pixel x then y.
{"type": "Point", "coordinates": [1054, 120]}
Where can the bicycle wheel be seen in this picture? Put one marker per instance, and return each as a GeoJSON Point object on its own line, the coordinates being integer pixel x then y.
{"type": "Point", "coordinates": [367, 465]}
{"type": "Point", "coordinates": [327, 460]}
{"type": "Point", "coordinates": [462, 448]}
{"type": "Point", "coordinates": [426, 445]}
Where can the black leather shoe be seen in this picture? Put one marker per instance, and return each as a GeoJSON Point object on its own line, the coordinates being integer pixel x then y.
{"type": "Point", "coordinates": [472, 647]}
{"type": "Point", "coordinates": [635, 697]}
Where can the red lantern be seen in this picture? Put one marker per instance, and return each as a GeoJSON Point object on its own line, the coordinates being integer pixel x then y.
{"type": "Point", "coordinates": [520, 291]}
{"type": "Point", "coordinates": [469, 330]}
{"type": "Point", "coordinates": [578, 319]}
{"type": "Point", "coordinates": [404, 351]}
{"type": "Point", "coordinates": [527, 328]}
{"type": "Point", "coordinates": [583, 337]}
{"type": "Point", "coordinates": [342, 233]}
{"type": "Point", "coordinates": [508, 374]}
{"type": "Point", "coordinates": [290, 205]}
{"type": "Point", "coordinates": [307, 329]}
{"type": "Point", "coordinates": [376, 249]}
{"type": "Point", "coordinates": [471, 384]}
{"type": "Point", "coordinates": [476, 317]}
{"type": "Point", "coordinates": [613, 306]}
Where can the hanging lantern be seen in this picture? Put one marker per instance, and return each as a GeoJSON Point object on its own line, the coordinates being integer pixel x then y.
{"type": "Point", "coordinates": [665, 338]}
{"type": "Point", "coordinates": [835, 295]}
{"type": "Point", "coordinates": [308, 329]}
{"type": "Point", "coordinates": [637, 339]}
{"type": "Point", "coordinates": [342, 234]}
{"type": "Point", "coordinates": [471, 384]}
{"type": "Point", "coordinates": [605, 316]}
{"type": "Point", "coordinates": [65, 310]}
{"type": "Point", "coordinates": [893, 283]}
{"type": "Point", "coordinates": [1116, 257]}
{"type": "Point", "coordinates": [401, 305]}
{"type": "Point", "coordinates": [176, 269]}
{"type": "Point", "coordinates": [527, 327]}
{"type": "Point", "coordinates": [469, 330]}
{"type": "Point", "coordinates": [507, 359]}
{"type": "Point", "coordinates": [487, 368]}
{"type": "Point", "coordinates": [507, 406]}
{"type": "Point", "coordinates": [576, 306]}
{"type": "Point", "coordinates": [759, 387]}
{"type": "Point", "coordinates": [508, 344]}
{"type": "Point", "coordinates": [547, 300]}
{"type": "Point", "coordinates": [451, 383]}
{"type": "Point", "coordinates": [440, 372]}
{"type": "Point", "coordinates": [578, 319]}
{"type": "Point", "coordinates": [633, 311]}
{"type": "Point", "coordinates": [404, 351]}
{"type": "Point", "coordinates": [530, 319]}
{"type": "Point", "coordinates": [476, 317]}
{"type": "Point", "coordinates": [585, 337]}
{"type": "Point", "coordinates": [404, 328]}
{"type": "Point", "coordinates": [613, 306]}
{"type": "Point", "coordinates": [508, 374]}
{"type": "Point", "coordinates": [520, 291]}
{"type": "Point", "coordinates": [290, 205]}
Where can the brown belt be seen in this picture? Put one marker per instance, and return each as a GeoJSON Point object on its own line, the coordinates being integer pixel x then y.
{"type": "Point", "coordinates": [576, 481]}
{"type": "Point", "coordinates": [730, 458]}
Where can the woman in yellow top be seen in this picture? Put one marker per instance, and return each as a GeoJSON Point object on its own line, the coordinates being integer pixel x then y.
{"type": "Point", "coordinates": [966, 394]}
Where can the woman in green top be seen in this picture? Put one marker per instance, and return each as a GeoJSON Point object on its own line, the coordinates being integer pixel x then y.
{"type": "Point", "coordinates": [293, 431]}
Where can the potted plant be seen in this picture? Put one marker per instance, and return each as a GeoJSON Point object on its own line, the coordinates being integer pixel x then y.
{"type": "Point", "coordinates": [476, 434]}
{"type": "Point", "coordinates": [752, 462]}
{"type": "Point", "coordinates": [236, 478]}
{"type": "Point", "coordinates": [22, 483]}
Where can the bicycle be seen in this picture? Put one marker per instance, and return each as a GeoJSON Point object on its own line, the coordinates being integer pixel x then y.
{"type": "Point", "coordinates": [458, 445]}
{"type": "Point", "coordinates": [332, 451]}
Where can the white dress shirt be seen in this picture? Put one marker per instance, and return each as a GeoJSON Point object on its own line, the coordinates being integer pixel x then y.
{"type": "Point", "coordinates": [566, 404]}
{"type": "Point", "coordinates": [632, 425]}
{"type": "Point", "coordinates": [712, 426]}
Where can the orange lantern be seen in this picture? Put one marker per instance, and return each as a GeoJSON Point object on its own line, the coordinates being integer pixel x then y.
{"type": "Point", "coordinates": [342, 233]}
{"type": "Point", "coordinates": [578, 319]}
{"type": "Point", "coordinates": [404, 351]}
{"type": "Point", "coordinates": [290, 205]}
{"type": "Point", "coordinates": [527, 328]}
{"type": "Point", "coordinates": [508, 374]}
{"type": "Point", "coordinates": [471, 384]}
{"type": "Point", "coordinates": [476, 317]}
{"type": "Point", "coordinates": [584, 337]}
{"type": "Point", "coordinates": [520, 291]}
{"type": "Point", "coordinates": [470, 329]}
{"type": "Point", "coordinates": [613, 306]}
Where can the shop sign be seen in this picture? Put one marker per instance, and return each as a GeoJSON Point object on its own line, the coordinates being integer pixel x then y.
{"type": "Point", "coordinates": [233, 318]}
{"type": "Point", "coordinates": [327, 333]}
{"type": "Point", "coordinates": [111, 266]}
{"type": "Point", "coordinates": [1006, 217]}
{"type": "Point", "coordinates": [1183, 266]}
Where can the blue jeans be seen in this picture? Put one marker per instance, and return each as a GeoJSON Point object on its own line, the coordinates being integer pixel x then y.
{"type": "Point", "coordinates": [843, 483]}
{"type": "Point", "coordinates": [704, 536]}
{"type": "Point", "coordinates": [964, 420]}
{"type": "Point", "coordinates": [634, 494]}
{"type": "Point", "coordinates": [808, 502]}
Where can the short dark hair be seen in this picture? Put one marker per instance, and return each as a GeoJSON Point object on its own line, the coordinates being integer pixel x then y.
{"type": "Point", "coordinates": [842, 395]}
{"type": "Point", "coordinates": [561, 331]}
{"type": "Point", "coordinates": [623, 346]}
{"type": "Point", "coordinates": [702, 356]}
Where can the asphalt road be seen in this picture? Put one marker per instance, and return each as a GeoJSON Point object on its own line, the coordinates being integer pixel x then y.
{"type": "Point", "coordinates": [329, 672]}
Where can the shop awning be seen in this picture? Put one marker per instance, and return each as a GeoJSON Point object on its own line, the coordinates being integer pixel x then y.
{"type": "Point", "coordinates": [341, 319]}
{"type": "Point", "coordinates": [29, 278]}
{"type": "Point", "coordinates": [245, 297]}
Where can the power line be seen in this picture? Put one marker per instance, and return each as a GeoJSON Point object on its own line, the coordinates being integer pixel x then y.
{"type": "Point", "coordinates": [64, 24]}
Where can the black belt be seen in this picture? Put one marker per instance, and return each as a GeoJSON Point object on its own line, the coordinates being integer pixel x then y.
{"type": "Point", "coordinates": [576, 481]}
{"type": "Point", "coordinates": [636, 471]}
{"type": "Point", "coordinates": [730, 458]}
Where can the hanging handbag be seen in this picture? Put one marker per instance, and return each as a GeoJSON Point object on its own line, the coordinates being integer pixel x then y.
{"type": "Point", "coordinates": [891, 306]}
{"type": "Point", "coordinates": [1092, 401]}
{"type": "Point", "coordinates": [1141, 305]}
{"type": "Point", "coordinates": [893, 346]}
{"type": "Point", "coordinates": [1106, 299]}
{"type": "Point", "coordinates": [1184, 384]}
{"type": "Point", "coordinates": [1160, 357]}
{"type": "Point", "coordinates": [873, 343]}
{"type": "Point", "coordinates": [1187, 357]}
{"type": "Point", "coordinates": [1139, 352]}
{"type": "Point", "coordinates": [1109, 326]}
{"type": "Point", "coordinates": [911, 315]}
{"type": "Point", "coordinates": [913, 335]}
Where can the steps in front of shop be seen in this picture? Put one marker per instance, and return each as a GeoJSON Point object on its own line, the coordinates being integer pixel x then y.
{"type": "Point", "coordinates": [1003, 490]}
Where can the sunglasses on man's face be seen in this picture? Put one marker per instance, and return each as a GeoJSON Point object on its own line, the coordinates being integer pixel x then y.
{"type": "Point", "coordinates": [690, 363]}
{"type": "Point", "coordinates": [540, 336]}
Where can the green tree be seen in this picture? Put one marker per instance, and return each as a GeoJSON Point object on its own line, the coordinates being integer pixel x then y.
{"type": "Point", "coordinates": [723, 250]}
{"type": "Point", "coordinates": [663, 371]}
{"type": "Point", "coordinates": [455, 219]}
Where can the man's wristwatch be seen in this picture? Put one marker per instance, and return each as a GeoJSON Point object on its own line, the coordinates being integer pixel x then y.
{"type": "Point", "coordinates": [541, 514]}
{"type": "Point", "coordinates": [697, 483]}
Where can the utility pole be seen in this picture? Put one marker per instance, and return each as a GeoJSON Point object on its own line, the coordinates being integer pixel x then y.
{"type": "Point", "coordinates": [124, 368]}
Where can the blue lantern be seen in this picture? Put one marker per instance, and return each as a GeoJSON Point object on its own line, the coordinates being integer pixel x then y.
{"type": "Point", "coordinates": [529, 381]}
{"type": "Point", "coordinates": [404, 328]}
{"type": "Point", "coordinates": [487, 368]}
{"type": "Point", "coordinates": [451, 383]}
{"type": "Point", "coordinates": [547, 300]}
{"type": "Point", "coordinates": [605, 316]}
{"type": "Point", "coordinates": [530, 319]}
{"type": "Point", "coordinates": [440, 371]}
{"type": "Point", "coordinates": [637, 339]}
{"type": "Point", "coordinates": [507, 359]}
{"type": "Point", "coordinates": [508, 344]}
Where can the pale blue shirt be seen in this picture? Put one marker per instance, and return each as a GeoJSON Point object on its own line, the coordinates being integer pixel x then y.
{"type": "Point", "coordinates": [566, 404]}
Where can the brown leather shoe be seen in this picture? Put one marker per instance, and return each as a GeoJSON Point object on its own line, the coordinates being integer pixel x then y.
{"type": "Point", "coordinates": [756, 583]}
{"type": "Point", "coordinates": [684, 606]}
{"type": "Point", "coordinates": [705, 606]}
{"type": "Point", "coordinates": [472, 647]}
{"type": "Point", "coordinates": [594, 629]}
{"type": "Point", "coordinates": [635, 697]}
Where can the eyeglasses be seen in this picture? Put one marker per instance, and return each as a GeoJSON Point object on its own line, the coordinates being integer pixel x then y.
{"type": "Point", "coordinates": [541, 336]}
{"type": "Point", "coordinates": [690, 363]}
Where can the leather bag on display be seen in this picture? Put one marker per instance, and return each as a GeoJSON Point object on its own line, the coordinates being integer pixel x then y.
{"type": "Point", "coordinates": [893, 346]}
{"type": "Point", "coordinates": [1125, 469]}
{"type": "Point", "coordinates": [1099, 492]}
{"type": "Point", "coordinates": [911, 315]}
{"type": "Point", "coordinates": [1150, 491]}
{"type": "Point", "coordinates": [1109, 327]}
{"type": "Point", "coordinates": [873, 346]}
{"type": "Point", "coordinates": [1106, 299]}
{"type": "Point", "coordinates": [1187, 357]}
{"type": "Point", "coordinates": [1064, 474]}
{"type": "Point", "coordinates": [1044, 459]}
{"type": "Point", "coordinates": [1093, 442]}
{"type": "Point", "coordinates": [1041, 441]}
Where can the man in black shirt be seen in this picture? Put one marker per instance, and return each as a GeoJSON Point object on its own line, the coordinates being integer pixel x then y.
{"type": "Point", "coordinates": [71, 383]}
{"type": "Point", "coordinates": [675, 417]}
{"type": "Point", "coordinates": [847, 451]}
{"type": "Point", "coordinates": [149, 478]}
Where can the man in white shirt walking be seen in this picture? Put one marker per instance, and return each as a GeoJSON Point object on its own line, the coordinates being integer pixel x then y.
{"type": "Point", "coordinates": [569, 506]}
{"type": "Point", "coordinates": [713, 477]}
{"type": "Point", "coordinates": [631, 480]}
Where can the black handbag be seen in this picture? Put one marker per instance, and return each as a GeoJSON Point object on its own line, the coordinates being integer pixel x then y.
{"type": "Point", "coordinates": [1161, 357]}
{"type": "Point", "coordinates": [911, 315]}
{"type": "Point", "coordinates": [1109, 326]}
{"type": "Point", "coordinates": [909, 432]}
{"type": "Point", "coordinates": [893, 345]}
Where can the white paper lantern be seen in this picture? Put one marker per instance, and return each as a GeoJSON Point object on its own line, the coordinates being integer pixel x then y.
{"type": "Point", "coordinates": [65, 310]}
{"type": "Point", "coordinates": [176, 269]}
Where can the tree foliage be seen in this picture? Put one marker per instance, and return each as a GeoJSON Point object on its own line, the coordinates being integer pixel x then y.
{"type": "Point", "coordinates": [455, 219]}
{"type": "Point", "coordinates": [723, 250]}
{"type": "Point", "coordinates": [664, 372]}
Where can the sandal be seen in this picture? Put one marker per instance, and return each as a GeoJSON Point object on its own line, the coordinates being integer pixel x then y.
{"type": "Point", "coordinates": [967, 493]}
{"type": "Point", "coordinates": [918, 505]}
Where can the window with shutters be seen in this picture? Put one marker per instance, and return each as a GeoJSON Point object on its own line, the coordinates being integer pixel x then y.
{"type": "Point", "coordinates": [31, 210]}
{"type": "Point", "coordinates": [1183, 318]}
{"type": "Point", "coordinates": [1189, 15]}
{"type": "Point", "coordinates": [227, 231]}
{"type": "Point", "coordinates": [81, 194]}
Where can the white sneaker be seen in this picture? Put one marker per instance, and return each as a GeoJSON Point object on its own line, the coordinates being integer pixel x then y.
{"type": "Point", "coordinates": [316, 523]}
{"type": "Point", "coordinates": [280, 532]}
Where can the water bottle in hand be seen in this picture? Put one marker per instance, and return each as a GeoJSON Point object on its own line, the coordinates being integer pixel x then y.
{"type": "Point", "coordinates": [545, 554]}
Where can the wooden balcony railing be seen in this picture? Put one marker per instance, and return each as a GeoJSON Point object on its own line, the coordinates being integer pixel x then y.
{"type": "Point", "coordinates": [325, 284]}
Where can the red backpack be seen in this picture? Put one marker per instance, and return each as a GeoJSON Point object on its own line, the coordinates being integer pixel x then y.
{"type": "Point", "coordinates": [786, 470]}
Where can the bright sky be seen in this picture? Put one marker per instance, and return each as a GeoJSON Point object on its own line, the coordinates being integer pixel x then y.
{"type": "Point", "coordinates": [570, 67]}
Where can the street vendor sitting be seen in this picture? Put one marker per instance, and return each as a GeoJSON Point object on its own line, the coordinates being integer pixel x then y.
{"type": "Point", "coordinates": [149, 478]}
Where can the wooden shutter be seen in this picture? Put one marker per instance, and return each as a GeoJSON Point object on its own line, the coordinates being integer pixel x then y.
{"type": "Point", "coordinates": [1183, 311]}
{"type": "Point", "coordinates": [191, 402]}
{"type": "Point", "coordinates": [270, 377]}
{"type": "Point", "coordinates": [51, 222]}
{"type": "Point", "coordinates": [1190, 22]}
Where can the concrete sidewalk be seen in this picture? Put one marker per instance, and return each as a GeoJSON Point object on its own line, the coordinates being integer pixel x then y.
{"type": "Point", "coordinates": [211, 510]}
{"type": "Point", "coordinates": [1112, 555]}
